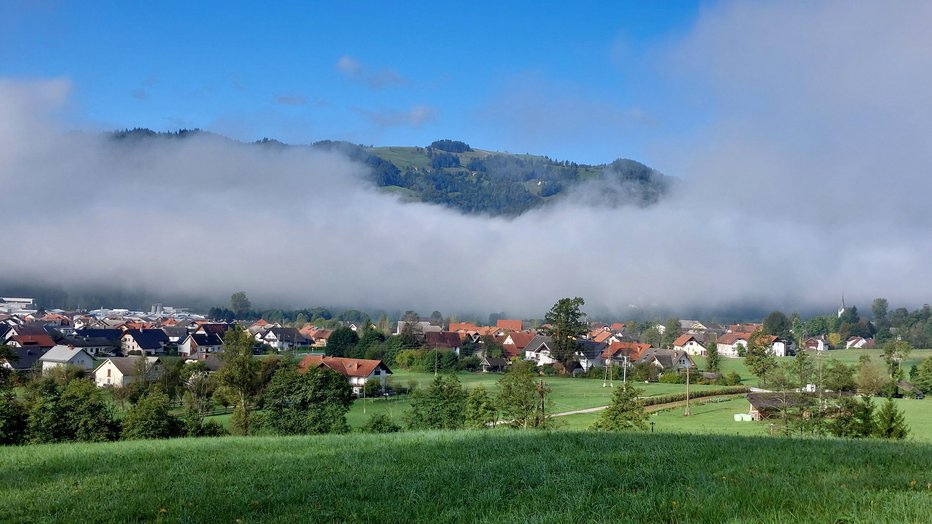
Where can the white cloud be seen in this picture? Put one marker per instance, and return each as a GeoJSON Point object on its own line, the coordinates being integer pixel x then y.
{"type": "Point", "coordinates": [374, 78]}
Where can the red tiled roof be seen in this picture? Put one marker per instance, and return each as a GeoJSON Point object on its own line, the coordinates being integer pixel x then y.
{"type": "Point", "coordinates": [520, 339]}
{"type": "Point", "coordinates": [617, 326]}
{"type": "Point", "coordinates": [442, 339]}
{"type": "Point", "coordinates": [34, 340]}
{"type": "Point", "coordinates": [731, 338]}
{"type": "Point", "coordinates": [322, 334]}
{"type": "Point", "coordinates": [348, 367]}
{"type": "Point", "coordinates": [463, 326]}
{"type": "Point", "coordinates": [682, 340]}
{"type": "Point", "coordinates": [602, 336]}
{"type": "Point", "coordinates": [509, 325]}
{"type": "Point", "coordinates": [632, 349]}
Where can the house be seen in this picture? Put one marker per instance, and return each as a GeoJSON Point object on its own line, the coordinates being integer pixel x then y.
{"type": "Point", "coordinates": [667, 359]}
{"type": "Point", "coordinates": [617, 327]}
{"type": "Point", "coordinates": [96, 346]}
{"type": "Point", "coordinates": [732, 344]}
{"type": "Point", "coordinates": [122, 371]}
{"type": "Point", "coordinates": [764, 405]}
{"type": "Point", "coordinates": [282, 338]}
{"type": "Point", "coordinates": [818, 343]}
{"type": "Point", "coordinates": [624, 352]}
{"type": "Point", "coordinates": [443, 340]}
{"type": "Point", "coordinates": [38, 342]}
{"type": "Point", "coordinates": [320, 337]}
{"type": "Point", "coordinates": [692, 327]}
{"type": "Point", "coordinates": [493, 364]}
{"type": "Point", "coordinates": [197, 343]}
{"type": "Point", "coordinates": [538, 350]}
{"type": "Point", "coordinates": [601, 336]}
{"type": "Point", "coordinates": [419, 328]}
{"type": "Point", "coordinates": [26, 358]}
{"type": "Point", "coordinates": [175, 334]}
{"type": "Point", "coordinates": [210, 360]}
{"type": "Point", "coordinates": [515, 343]}
{"type": "Point", "coordinates": [66, 356]}
{"type": "Point", "coordinates": [113, 336]}
{"type": "Point", "coordinates": [357, 370]}
{"type": "Point", "coordinates": [216, 328]}
{"type": "Point", "coordinates": [690, 344]}
{"type": "Point", "coordinates": [144, 341]}
{"type": "Point", "coordinates": [589, 354]}
{"type": "Point", "coordinates": [859, 342]}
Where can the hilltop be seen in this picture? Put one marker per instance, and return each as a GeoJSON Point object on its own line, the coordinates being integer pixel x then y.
{"type": "Point", "coordinates": [475, 181]}
{"type": "Point", "coordinates": [469, 476]}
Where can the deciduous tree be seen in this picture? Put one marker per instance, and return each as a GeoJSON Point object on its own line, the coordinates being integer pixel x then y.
{"type": "Point", "coordinates": [240, 374]}
{"type": "Point", "coordinates": [522, 401]}
{"type": "Point", "coordinates": [567, 322]}
{"type": "Point", "coordinates": [313, 402]}
{"type": "Point", "coordinates": [625, 412]}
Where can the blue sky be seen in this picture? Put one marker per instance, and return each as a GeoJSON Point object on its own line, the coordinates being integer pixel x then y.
{"type": "Point", "coordinates": [801, 132]}
{"type": "Point", "coordinates": [580, 81]}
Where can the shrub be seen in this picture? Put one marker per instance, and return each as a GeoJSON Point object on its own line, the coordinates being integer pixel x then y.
{"type": "Point", "coordinates": [380, 423]}
{"type": "Point", "coordinates": [150, 418]}
{"type": "Point", "coordinates": [12, 419]}
{"type": "Point", "coordinates": [672, 377]}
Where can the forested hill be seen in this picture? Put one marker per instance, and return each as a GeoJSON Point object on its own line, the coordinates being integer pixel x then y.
{"type": "Point", "coordinates": [474, 181]}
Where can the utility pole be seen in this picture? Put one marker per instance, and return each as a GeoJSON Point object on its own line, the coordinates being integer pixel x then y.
{"type": "Point", "coordinates": [686, 413]}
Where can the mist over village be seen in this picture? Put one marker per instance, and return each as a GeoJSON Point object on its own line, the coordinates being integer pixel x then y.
{"type": "Point", "coordinates": [424, 263]}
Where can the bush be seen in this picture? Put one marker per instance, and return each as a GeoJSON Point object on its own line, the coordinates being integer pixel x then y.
{"type": "Point", "coordinates": [150, 418]}
{"type": "Point", "coordinates": [373, 388]}
{"type": "Point", "coordinates": [380, 423]}
{"type": "Point", "coordinates": [549, 370]}
{"type": "Point", "coordinates": [679, 397]}
{"type": "Point", "coordinates": [12, 419]}
{"type": "Point", "coordinates": [672, 377]}
{"type": "Point", "coordinates": [469, 364]}
{"type": "Point", "coordinates": [731, 378]}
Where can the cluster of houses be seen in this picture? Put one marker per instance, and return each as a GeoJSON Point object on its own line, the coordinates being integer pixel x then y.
{"type": "Point", "coordinates": [119, 346]}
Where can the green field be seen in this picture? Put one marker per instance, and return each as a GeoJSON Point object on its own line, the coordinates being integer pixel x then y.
{"type": "Point", "coordinates": [717, 417]}
{"type": "Point", "coordinates": [470, 476]}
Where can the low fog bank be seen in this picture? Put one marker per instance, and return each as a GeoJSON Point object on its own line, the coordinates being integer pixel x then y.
{"type": "Point", "coordinates": [812, 183]}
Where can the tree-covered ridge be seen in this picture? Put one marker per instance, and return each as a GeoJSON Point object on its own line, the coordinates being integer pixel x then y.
{"type": "Point", "coordinates": [474, 181]}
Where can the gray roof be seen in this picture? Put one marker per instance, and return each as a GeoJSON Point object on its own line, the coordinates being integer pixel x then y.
{"type": "Point", "coordinates": [537, 342]}
{"type": "Point", "coordinates": [590, 349]}
{"type": "Point", "coordinates": [130, 365]}
{"type": "Point", "coordinates": [62, 354]}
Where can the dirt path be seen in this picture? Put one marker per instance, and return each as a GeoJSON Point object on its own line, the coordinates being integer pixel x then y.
{"type": "Point", "coordinates": [649, 409]}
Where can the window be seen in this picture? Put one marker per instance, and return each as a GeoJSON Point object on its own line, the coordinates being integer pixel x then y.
{"type": "Point", "coordinates": [108, 372]}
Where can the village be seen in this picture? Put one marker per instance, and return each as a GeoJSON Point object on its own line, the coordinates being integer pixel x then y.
{"type": "Point", "coordinates": [117, 347]}
{"type": "Point", "coordinates": [104, 342]}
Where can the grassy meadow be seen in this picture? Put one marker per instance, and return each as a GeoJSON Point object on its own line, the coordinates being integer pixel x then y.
{"type": "Point", "coordinates": [470, 476]}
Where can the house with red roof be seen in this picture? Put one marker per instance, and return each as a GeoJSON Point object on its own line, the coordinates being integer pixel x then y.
{"type": "Point", "coordinates": [731, 344]}
{"type": "Point", "coordinates": [357, 370]}
{"type": "Point", "coordinates": [621, 352]}
{"type": "Point", "coordinates": [689, 344]}
{"type": "Point", "coordinates": [515, 343]}
{"type": "Point", "coordinates": [446, 340]}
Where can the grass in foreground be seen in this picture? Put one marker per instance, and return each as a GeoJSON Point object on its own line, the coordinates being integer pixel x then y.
{"type": "Point", "coordinates": [500, 476]}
